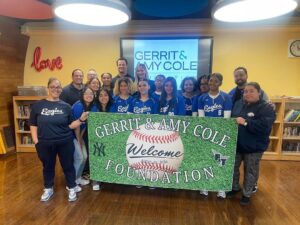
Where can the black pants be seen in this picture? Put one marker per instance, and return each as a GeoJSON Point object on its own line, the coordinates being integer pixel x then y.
{"type": "Point", "coordinates": [47, 154]}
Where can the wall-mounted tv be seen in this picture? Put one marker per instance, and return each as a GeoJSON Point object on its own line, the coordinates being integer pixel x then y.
{"type": "Point", "coordinates": [176, 57]}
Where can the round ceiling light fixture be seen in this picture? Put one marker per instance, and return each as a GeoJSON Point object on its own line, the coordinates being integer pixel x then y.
{"type": "Point", "coordinates": [91, 12]}
{"type": "Point", "coordinates": [251, 10]}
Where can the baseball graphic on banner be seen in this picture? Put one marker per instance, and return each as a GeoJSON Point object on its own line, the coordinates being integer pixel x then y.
{"type": "Point", "coordinates": [152, 152]}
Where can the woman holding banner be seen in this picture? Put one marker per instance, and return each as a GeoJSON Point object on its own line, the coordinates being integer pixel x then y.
{"type": "Point", "coordinates": [103, 103]}
{"type": "Point", "coordinates": [215, 103]}
{"type": "Point", "coordinates": [255, 124]}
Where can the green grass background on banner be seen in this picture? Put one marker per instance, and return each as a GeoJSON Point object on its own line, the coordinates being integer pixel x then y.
{"type": "Point", "coordinates": [197, 152]}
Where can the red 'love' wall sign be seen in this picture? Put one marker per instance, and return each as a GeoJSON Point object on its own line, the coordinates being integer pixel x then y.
{"type": "Point", "coordinates": [40, 65]}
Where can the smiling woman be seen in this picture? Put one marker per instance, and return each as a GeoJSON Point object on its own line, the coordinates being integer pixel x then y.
{"type": "Point", "coordinates": [51, 127]}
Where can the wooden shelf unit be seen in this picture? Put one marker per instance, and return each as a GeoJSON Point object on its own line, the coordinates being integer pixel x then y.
{"type": "Point", "coordinates": [21, 106]}
{"type": "Point", "coordinates": [277, 149]}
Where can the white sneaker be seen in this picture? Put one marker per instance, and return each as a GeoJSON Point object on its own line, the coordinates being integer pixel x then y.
{"type": "Point", "coordinates": [96, 186]}
{"type": "Point", "coordinates": [204, 193]}
{"type": "Point", "coordinates": [77, 188]}
{"type": "Point", "coordinates": [72, 195]}
{"type": "Point", "coordinates": [48, 192]}
{"type": "Point", "coordinates": [82, 181]}
{"type": "Point", "coordinates": [221, 194]}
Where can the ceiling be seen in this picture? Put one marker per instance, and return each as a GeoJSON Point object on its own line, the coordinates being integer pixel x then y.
{"type": "Point", "coordinates": [41, 10]}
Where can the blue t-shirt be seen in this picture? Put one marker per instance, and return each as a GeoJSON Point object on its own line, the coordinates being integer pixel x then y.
{"type": "Point", "coordinates": [177, 109]}
{"type": "Point", "coordinates": [188, 105]}
{"type": "Point", "coordinates": [137, 106]}
{"type": "Point", "coordinates": [195, 100]}
{"type": "Point", "coordinates": [215, 107]}
{"type": "Point", "coordinates": [121, 105]}
{"type": "Point", "coordinates": [78, 109]}
{"type": "Point", "coordinates": [155, 96]}
{"type": "Point", "coordinates": [52, 119]}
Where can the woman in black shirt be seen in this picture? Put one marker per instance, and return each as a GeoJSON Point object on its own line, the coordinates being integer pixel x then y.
{"type": "Point", "coordinates": [51, 127]}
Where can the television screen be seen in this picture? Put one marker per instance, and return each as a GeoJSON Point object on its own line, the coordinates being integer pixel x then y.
{"type": "Point", "coordinates": [176, 57]}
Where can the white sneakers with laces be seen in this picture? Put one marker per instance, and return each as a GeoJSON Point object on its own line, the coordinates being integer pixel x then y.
{"type": "Point", "coordinates": [47, 194]}
{"type": "Point", "coordinates": [72, 193]}
{"type": "Point", "coordinates": [220, 194]}
{"type": "Point", "coordinates": [81, 181]}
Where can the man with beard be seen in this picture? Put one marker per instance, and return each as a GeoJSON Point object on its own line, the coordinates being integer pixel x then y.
{"type": "Point", "coordinates": [122, 71]}
{"type": "Point", "coordinates": [71, 93]}
{"type": "Point", "coordinates": [240, 78]}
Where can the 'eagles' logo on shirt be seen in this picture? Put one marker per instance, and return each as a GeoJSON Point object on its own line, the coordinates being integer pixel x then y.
{"type": "Point", "coordinates": [51, 112]}
{"type": "Point", "coordinates": [142, 110]}
{"type": "Point", "coordinates": [123, 109]}
{"type": "Point", "coordinates": [212, 108]}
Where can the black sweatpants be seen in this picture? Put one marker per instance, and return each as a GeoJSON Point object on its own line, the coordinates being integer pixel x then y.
{"type": "Point", "coordinates": [47, 152]}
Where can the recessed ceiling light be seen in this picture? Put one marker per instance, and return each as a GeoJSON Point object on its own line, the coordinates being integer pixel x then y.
{"type": "Point", "coordinates": [251, 10]}
{"type": "Point", "coordinates": [92, 13]}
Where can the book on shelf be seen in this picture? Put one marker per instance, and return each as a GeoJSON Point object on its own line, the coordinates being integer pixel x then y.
{"type": "Point", "coordinates": [297, 118]}
{"type": "Point", "coordinates": [23, 125]}
{"type": "Point", "coordinates": [291, 115]}
{"type": "Point", "coordinates": [291, 146]}
{"type": "Point", "coordinates": [24, 110]}
{"type": "Point", "coordinates": [26, 140]}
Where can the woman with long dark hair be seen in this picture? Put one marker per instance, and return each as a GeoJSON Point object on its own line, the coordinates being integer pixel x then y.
{"type": "Point", "coordinates": [103, 103]}
{"type": "Point", "coordinates": [85, 104]}
{"type": "Point", "coordinates": [188, 90]}
{"type": "Point", "coordinates": [170, 102]}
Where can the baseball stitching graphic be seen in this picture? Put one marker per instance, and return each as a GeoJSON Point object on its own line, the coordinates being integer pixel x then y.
{"type": "Point", "coordinates": [154, 151]}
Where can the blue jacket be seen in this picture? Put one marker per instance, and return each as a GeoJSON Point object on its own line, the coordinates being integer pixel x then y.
{"type": "Point", "coordinates": [254, 137]}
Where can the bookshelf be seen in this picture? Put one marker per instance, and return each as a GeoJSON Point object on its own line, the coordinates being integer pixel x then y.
{"type": "Point", "coordinates": [22, 105]}
{"type": "Point", "coordinates": [285, 135]}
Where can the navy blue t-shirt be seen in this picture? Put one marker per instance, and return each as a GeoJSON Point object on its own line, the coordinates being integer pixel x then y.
{"type": "Point", "coordinates": [52, 119]}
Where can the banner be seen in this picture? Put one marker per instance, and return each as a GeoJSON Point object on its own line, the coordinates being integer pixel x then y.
{"type": "Point", "coordinates": [162, 151]}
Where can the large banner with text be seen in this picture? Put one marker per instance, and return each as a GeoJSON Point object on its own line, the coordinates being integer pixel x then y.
{"type": "Point", "coordinates": [162, 151]}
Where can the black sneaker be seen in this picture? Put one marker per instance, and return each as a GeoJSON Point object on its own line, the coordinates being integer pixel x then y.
{"type": "Point", "coordinates": [232, 193]}
{"type": "Point", "coordinates": [245, 200]}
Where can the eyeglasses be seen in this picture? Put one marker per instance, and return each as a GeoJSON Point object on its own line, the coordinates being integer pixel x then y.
{"type": "Point", "coordinates": [204, 84]}
{"type": "Point", "coordinates": [55, 87]}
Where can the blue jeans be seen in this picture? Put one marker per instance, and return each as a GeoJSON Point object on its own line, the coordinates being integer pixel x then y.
{"type": "Point", "coordinates": [80, 156]}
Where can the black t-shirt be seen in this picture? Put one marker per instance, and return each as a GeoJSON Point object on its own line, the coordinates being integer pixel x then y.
{"type": "Point", "coordinates": [70, 94]}
{"type": "Point", "coordinates": [52, 120]}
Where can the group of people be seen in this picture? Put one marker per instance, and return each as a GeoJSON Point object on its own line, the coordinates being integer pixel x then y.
{"type": "Point", "coordinates": [58, 123]}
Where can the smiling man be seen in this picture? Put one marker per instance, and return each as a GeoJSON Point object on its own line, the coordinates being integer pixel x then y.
{"type": "Point", "coordinates": [240, 78]}
{"type": "Point", "coordinates": [122, 65]}
{"type": "Point", "coordinates": [71, 93]}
